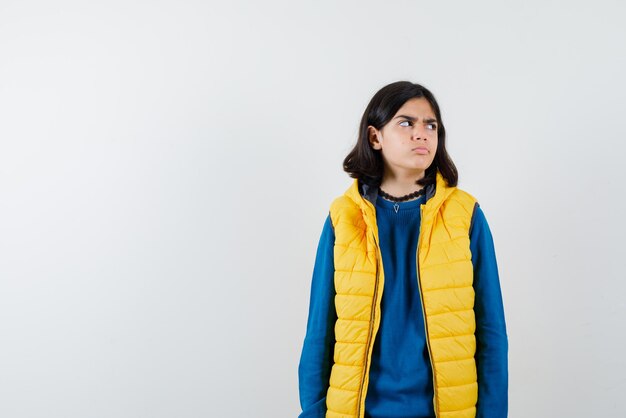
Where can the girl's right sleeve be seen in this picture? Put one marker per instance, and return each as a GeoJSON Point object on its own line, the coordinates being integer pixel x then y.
{"type": "Point", "coordinates": [317, 352]}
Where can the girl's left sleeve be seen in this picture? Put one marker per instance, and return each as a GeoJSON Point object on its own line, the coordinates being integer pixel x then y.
{"type": "Point", "coordinates": [491, 338]}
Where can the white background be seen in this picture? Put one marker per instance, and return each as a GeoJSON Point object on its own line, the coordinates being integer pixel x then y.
{"type": "Point", "coordinates": [166, 168]}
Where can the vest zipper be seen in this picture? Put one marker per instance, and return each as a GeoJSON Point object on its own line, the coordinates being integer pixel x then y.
{"type": "Point", "coordinates": [369, 334]}
{"type": "Point", "coordinates": [419, 285]}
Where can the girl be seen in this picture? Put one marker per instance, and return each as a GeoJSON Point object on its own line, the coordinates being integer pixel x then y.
{"type": "Point", "coordinates": [406, 316]}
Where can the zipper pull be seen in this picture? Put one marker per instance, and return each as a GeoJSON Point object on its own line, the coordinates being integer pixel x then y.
{"type": "Point", "coordinates": [396, 207]}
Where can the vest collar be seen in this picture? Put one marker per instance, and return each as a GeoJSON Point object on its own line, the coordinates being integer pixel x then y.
{"type": "Point", "coordinates": [359, 192]}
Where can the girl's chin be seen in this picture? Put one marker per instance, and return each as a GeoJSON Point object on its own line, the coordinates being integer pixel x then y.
{"type": "Point", "coordinates": [418, 166]}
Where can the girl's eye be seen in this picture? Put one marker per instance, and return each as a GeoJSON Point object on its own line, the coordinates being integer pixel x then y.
{"type": "Point", "coordinates": [405, 123]}
{"type": "Point", "coordinates": [432, 126]}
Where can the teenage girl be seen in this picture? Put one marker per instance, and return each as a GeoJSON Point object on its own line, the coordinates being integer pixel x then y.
{"type": "Point", "coordinates": [406, 316]}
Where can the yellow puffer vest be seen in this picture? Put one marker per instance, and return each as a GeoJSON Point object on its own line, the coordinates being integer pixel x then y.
{"type": "Point", "coordinates": [445, 277]}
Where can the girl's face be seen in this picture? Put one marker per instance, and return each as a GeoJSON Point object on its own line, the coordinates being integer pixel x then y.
{"type": "Point", "coordinates": [408, 142]}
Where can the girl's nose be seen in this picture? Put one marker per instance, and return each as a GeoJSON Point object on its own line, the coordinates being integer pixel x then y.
{"type": "Point", "coordinates": [419, 132]}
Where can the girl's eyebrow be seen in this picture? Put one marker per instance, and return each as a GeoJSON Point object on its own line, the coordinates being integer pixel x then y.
{"type": "Point", "coordinates": [412, 119]}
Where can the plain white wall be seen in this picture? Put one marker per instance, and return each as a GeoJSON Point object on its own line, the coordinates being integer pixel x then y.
{"type": "Point", "coordinates": [166, 168]}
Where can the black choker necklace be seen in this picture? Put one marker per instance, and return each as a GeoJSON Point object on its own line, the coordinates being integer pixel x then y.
{"type": "Point", "coordinates": [401, 198]}
{"type": "Point", "coordinates": [396, 206]}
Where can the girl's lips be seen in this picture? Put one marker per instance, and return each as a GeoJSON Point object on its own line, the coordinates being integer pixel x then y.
{"type": "Point", "coordinates": [420, 150]}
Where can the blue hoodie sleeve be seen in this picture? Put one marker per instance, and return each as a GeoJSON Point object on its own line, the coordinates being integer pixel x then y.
{"type": "Point", "coordinates": [317, 352]}
{"type": "Point", "coordinates": [491, 338]}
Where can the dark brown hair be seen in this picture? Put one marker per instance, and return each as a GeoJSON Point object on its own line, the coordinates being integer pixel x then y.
{"type": "Point", "coordinates": [366, 163]}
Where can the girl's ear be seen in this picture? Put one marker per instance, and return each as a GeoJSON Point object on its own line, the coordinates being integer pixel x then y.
{"type": "Point", "coordinates": [374, 137]}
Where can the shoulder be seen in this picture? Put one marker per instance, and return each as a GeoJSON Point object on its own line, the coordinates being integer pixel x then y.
{"type": "Point", "coordinates": [341, 202]}
{"type": "Point", "coordinates": [463, 196]}
{"type": "Point", "coordinates": [344, 206]}
{"type": "Point", "coordinates": [345, 213]}
{"type": "Point", "coordinates": [461, 203]}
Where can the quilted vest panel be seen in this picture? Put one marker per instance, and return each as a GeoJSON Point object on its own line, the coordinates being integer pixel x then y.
{"type": "Point", "coordinates": [445, 277]}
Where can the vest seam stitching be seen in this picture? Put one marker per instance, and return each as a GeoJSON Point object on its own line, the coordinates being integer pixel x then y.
{"type": "Point", "coordinates": [348, 365]}
{"type": "Point", "coordinates": [463, 237]}
{"type": "Point", "coordinates": [457, 410]}
{"type": "Point", "coordinates": [461, 359]}
{"type": "Point", "coordinates": [452, 336]}
{"type": "Point", "coordinates": [357, 248]}
{"type": "Point", "coordinates": [462, 384]}
{"type": "Point", "coordinates": [353, 319]}
{"type": "Point", "coordinates": [446, 288]}
{"type": "Point", "coordinates": [443, 313]}
{"type": "Point", "coordinates": [345, 390]}
{"type": "Point", "coordinates": [353, 294]}
{"type": "Point", "coordinates": [459, 260]}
